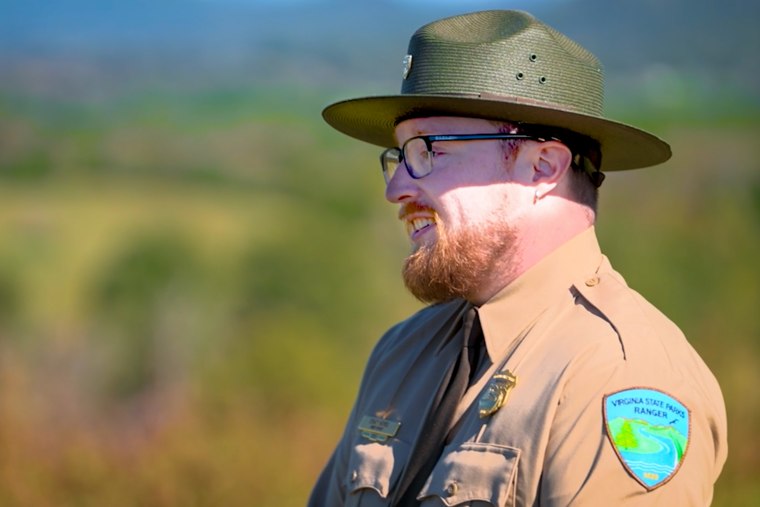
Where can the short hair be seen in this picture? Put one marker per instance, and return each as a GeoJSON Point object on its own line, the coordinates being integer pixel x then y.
{"type": "Point", "coordinates": [584, 184]}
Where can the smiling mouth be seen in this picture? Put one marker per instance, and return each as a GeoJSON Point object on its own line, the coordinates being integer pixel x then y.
{"type": "Point", "coordinates": [418, 226]}
{"type": "Point", "coordinates": [417, 219]}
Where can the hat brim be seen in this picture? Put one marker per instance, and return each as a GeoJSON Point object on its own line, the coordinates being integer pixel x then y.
{"type": "Point", "coordinates": [373, 119]}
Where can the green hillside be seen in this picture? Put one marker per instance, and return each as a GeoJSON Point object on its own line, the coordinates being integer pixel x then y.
{"type": "Point", "coordinates": [191, 282]}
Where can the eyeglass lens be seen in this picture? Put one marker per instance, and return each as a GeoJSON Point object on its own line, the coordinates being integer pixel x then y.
{"type": "Point", "coordinates": [416, 156]}
{"type": "Point", "coordinates": [390, 160]}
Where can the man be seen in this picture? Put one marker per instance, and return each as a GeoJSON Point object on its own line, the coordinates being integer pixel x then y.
{"type": "Point", "coordinates": [535, 376]}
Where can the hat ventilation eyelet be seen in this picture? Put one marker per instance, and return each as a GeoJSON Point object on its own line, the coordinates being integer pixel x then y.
{"type": "Point", "coordinates": [520, 76]}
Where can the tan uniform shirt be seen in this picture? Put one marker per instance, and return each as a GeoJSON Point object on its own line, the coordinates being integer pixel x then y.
{"type": "Point", "coordinates": [604, 382]}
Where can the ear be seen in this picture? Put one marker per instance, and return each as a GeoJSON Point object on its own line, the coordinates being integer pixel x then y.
{"type": "Point", "coordinates": [550, 164]}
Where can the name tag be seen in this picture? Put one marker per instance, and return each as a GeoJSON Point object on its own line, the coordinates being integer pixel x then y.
{"type": "Point", "coordinates": [377, 429]}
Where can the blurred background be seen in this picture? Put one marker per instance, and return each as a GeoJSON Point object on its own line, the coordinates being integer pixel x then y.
{"type": "Point", "coordinates": [194, 267]}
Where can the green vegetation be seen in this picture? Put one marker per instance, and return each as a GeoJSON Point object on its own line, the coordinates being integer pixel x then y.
{"type": "Point", "coordinates": [625, 433]}
{"type": "Point", "coordinates": [190, 285]}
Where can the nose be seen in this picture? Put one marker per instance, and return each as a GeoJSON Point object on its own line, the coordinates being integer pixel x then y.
{"type": "Point", "coordinates": [401, 187]}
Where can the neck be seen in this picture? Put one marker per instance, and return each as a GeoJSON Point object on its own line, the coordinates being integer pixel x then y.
{"type": "Point", "coordinates": [540, 235]}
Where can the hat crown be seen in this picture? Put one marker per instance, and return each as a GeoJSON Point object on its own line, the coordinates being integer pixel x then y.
{"type": "Point", "coordinates": [507, 54]}
{"type": "Point", "coordinates": [503, 66]}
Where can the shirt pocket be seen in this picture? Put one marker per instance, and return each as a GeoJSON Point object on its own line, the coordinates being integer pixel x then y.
{"type": "Point", "coordinates": [373, 469]}
{"type": "Point", "coordinates": [473, 474]}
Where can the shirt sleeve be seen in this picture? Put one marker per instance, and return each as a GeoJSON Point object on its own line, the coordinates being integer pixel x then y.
{"type": "Point", "coordinates": [327, 490]}
{"type": "Point", "coordinates": [581, 465]}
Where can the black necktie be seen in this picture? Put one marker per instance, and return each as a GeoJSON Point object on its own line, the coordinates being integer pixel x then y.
{"type": "Point", "coordinates": [430, 444]}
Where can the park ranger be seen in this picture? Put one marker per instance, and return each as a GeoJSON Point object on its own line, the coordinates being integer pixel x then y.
{"type": "Point", "coordinates": [536, 376]}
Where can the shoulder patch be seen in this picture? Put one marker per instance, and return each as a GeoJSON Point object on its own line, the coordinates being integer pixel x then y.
{"type": "Point", "coordinates": [649, 431]}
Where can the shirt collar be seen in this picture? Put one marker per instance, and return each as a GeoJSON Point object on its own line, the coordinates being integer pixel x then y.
{"type": "Point", "coordinates": [512, 309]}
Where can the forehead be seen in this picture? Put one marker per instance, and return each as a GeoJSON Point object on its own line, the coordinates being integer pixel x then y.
{"type": "Point", "coordinates": [443, 125]}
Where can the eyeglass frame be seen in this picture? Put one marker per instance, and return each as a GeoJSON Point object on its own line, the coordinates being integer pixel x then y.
{"type": "Point", "coordinates": [430, 139]}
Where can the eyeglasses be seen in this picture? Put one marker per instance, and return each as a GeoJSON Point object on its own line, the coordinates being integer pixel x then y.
{"type": "Point", "coordinates": [418, 157]}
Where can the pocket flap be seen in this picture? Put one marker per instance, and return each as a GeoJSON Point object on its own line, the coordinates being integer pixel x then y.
{"type": "Point", "coordinates": [375, 466]}
{"type": "Point", "coordinates": [474, 472]}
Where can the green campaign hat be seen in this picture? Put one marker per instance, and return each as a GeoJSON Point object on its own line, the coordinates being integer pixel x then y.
{"type": "Point", "coordinates": [500, 65]}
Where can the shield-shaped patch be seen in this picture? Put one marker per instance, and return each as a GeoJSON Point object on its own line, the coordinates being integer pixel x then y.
{"type": "Point", "coordinates": [649, 431]}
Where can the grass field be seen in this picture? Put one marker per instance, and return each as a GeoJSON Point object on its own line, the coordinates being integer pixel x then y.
{"type": "Point", "coordinates": [189, 288]}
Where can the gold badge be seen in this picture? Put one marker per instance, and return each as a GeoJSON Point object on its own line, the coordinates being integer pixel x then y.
{"type": "Point", "coordinates": [407, 66]}
{"type": "Point", "coordinates": [496, 393]}
{"type": "Point", "coordinates": [377, 429]}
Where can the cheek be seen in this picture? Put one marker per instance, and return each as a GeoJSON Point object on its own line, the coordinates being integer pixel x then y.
{"type": "Point", "coordinates": [474, 205]}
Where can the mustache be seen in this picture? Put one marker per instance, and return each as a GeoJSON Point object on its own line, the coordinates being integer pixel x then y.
{"type": "Point", "coordinates": [409, 208]}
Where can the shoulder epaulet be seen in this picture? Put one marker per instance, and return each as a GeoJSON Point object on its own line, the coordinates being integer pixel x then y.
{"type": "Point", "coordinates": [623, 308]}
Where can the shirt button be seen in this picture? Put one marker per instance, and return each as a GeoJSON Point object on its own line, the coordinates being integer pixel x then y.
{"type": "Point", "coordinates": [452, 489]}
{"type": "Point", "coordinates": [354, 476]}
{"type": "Point", "coordinates": [593, 281]}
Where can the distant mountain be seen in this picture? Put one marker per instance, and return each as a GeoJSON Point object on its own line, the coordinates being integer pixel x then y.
{"type": "Point", "coordinates": [74, 47]}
